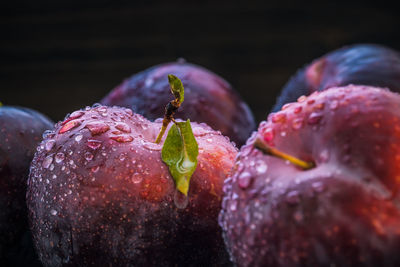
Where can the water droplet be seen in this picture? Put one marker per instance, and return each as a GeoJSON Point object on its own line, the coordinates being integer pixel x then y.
{"type": "Point", "coordinates": [97, 128]}
{"type": "Point", "coordinates": [78, 137]}
{"type": "Point", "coordinates": [76, 114]}
{"type": "Point", "coordinates": [287, 105]}
{"type": "Point", "coordinates": [123, 127]}
{"type": "Point", "coordinates": [69, 126]}
{"type": "Point", "coordinates": [136, 178]}
{"type": "Point", "coordinates": [283, 133]}
{"type": "Point", "coordinates": [297, 123]}
{"type": "Point", "coordinates": [180, 200]}
{"type": "Point", "coordinates": [50, 144]}
{"type": "Point", "coordinates": [53, 212]}
{"type": "Point", "coordinates": [297, 110]}
{"type": "Point", "coordinates": [233, 205]}
{"type": "Point", "coordinates": [88, 156]}
{"type": "Point", "coordinates": [59, 157]}
{"type": "Point", "coordinates": [318, 187]}
{"type": "Point", "coordinates": [244, 180]}
{"type": "Point", "coordinates": [122, 157]}
{"type": "Point", "coordinates": [268, 134]}
{"type": "Point", "coordinates": [301, 98]}
{"type": "Point", "coordinates": [122, 138]}
{"type": "Point", "coordinates": [95, 169]}
{"type": "Point", "coordinates": [209, 140]}
{"type": "Point", "coordinates": [93, 144]}
{"type": "Point", "coordinates": [293, 197]}
{"type": "Point", "coordinates": [324, 155]}
{"type": "Point", "coordinates": [334, 104]}
{"type": "Point", "coordinates": [48, 134]}
{"type": "Point", "coordinates": [54, 176]}
{"type": "Point", "coordinates": [47, 161]}
{"type": "Point", "coordinates": [314, 118]}
{"type": "Point", "coordinates": [51, 168]}
{"type": "Point", "coordinates": [152, 146]}
{"type": "Point", "coordinates": [311, 101]}
{"type": "Point", "coordinates": [279, 117]}
{"type": "Point", "coordinates": [319, 106]}
{"type": "Point", "coordinates": [261, 167]}
{"type": "Point", "coordinates": [69, 192]}
{"type": "Point", "coordinates": [144, 126]}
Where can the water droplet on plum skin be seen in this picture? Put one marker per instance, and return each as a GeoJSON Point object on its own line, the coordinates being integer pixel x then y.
{"type": "Point", "coordinates": [180, 200]}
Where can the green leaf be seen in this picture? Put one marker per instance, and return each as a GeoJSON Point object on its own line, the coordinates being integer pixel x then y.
{"type": "Point", "coordinates": [1, 104]}
{"type": "Point", "coordinates": [176, 87]}
{"type": "Point", "coordinates": [180, 152]}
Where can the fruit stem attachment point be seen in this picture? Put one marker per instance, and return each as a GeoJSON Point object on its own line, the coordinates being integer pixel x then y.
{"type": "Point", "coordinates": [268, 150]}
{"type": "Point", "coordinates": [172, 107]}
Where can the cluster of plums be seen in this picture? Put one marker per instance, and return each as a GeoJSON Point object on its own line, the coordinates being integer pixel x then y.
{"type": "Point", "coordinates": [92, 190]}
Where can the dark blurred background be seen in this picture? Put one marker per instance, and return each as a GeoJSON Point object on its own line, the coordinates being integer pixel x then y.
{"type": "Point", "coordinates": [59, 56]}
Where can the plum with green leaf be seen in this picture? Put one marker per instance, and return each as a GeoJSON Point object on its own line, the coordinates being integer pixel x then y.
{"type": "Point", "coordinates": [108, 188]}
{"type": "Point", "coordinates": [210, 99]}
{"type": "Point", "coordinates": [21, 130]}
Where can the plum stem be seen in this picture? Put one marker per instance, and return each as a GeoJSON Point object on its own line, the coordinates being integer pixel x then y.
{"type": "Point", "coordinates": [268, 150]}
{"type": "Point", "coordinates": [172, 106]}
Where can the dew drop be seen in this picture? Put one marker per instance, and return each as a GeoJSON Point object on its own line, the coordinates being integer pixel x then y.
{"type": "Point", "coordinates": [314, 118]}
{"type": "Point", "coordinates": [59, 157]}
{"type": "Point", "coordinates": [324, 155]}
{"type": "Point", "coordinates": [311, 101]}
{"type": "Point", "coordinates": [293, 197]}
{"type": "Point", "coordinates": [47, 161]}
{"type": "Point", "coordinates": [123, 127]}
{"type": "Point", "coordinates": [78, 137]}
{"type": "Point", "coordinates": [152, 146]}
{"type": "Point", "coordinates": [233, 205]}
{"type": "Point", "coordinates": [180, 200]}
{"type": "Point", "coordinates": [209, 140]}
{"type": "Point", "coordinates": [97, 128]}
{"type": "Point", "coordinates": [88, 156]}
{"type": "Point", "coordinates": [69, 126]}
{"type": "Point", "coordinates": [51, 168]}
{"type": "Point", "coordinates": [48, 134]}
{"type": "Point", "coordinates": [318, 187]}
{"type": "Point", "coordinates": [53, 212]}
{"type": "Point", "coordinates": [244, 180]}
{"type": "Point", "coordinates": [121, 157]}
{"type": "Point", "coordinates": [279, 117]}
{"type": "Point", "coordinates": [50, 144]}
{"type": "Point", "coordinates": [334, 105]}
{"type": "Point", "coordinates": [301, 98]}
{"type": "Point", "coordinates": [268, 134]}
{"type": "Point", "coordinates": [93, 144]}
{"type": "Point", "coordinates": [261, 167]}
{"type": "Point", "coordinates": [95, 169]}
{"type": "Point", "coordinates": [287, 105]}
{"type": "Point", "coordinates": [122, 138]}
{"type": "Point", "coordinates": [136, 178]}
{"type": "Point", "coordinates": [297, 110]}
{"type": "Point", "coordinates": [297, 123]}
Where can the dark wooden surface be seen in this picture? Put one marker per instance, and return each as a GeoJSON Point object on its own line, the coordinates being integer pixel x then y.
{"type": "Point", "coordinates": [58, 56]}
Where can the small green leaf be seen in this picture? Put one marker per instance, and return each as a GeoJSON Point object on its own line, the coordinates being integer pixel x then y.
{"type": "Point", "coordinates": [176, 87]}
{"type": "Point", "coordinates": [180, 152]}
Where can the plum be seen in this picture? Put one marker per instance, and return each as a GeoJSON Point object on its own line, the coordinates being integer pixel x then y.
{"type": "Point", "coordinates": [99, 194]}
{"type": "Point", "coordinates": [21, 130]}
{"type": "Point", "coordinates": [342, 209]}
{"type": "Point", "coordinates": [210, 99]}
{"type": "Point", "coordinates": [363, 64]}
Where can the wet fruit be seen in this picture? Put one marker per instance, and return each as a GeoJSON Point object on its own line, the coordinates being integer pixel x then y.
{"type": "Point", "coordinates": [20, 132]}
{"type": "Point", "coordinates": [341, 210]}
{"type": "Point", "coordinates": [210, 99]}
{"type": "Point", "coordinates": [101, 194]}
{"type": "Point", "coordinates": [364, 64]}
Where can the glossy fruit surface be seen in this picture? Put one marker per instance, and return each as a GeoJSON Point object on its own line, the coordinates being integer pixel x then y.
{"type": "Point", "coordinates": [20, 131]}
{"type": "Point", "coordinates": [209, 98]}
{"type": "Point", "coordinates": [342, 212]}
{"type": "Point", "coordinates": [99, 193]}
{"type": "Point", "coordinates": [363, 64]}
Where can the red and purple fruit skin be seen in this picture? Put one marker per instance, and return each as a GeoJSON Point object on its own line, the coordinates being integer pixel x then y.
{"type": "Point", "coordinates": [99, 194]}
{"type": "Point", "coordinates": [20, 132]}
{"type": "Point", "coordinates": [363, 64]}
{"type": "Point", "coordinates": [208, 98]}
{"type": "Point", "coordinates": [343, 212]}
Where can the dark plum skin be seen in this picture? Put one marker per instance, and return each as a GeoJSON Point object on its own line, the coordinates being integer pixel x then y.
{"type": "Point", "coordinates": [363, 64]}
{"type": "Point", "coordinates": [21, 130]}
{"type": "Point", "coordinates": [208, 98]}
{"type": "Point", "coordinates": [99, 195]}
{"type": "Point", "coordinates": [342, 212]}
